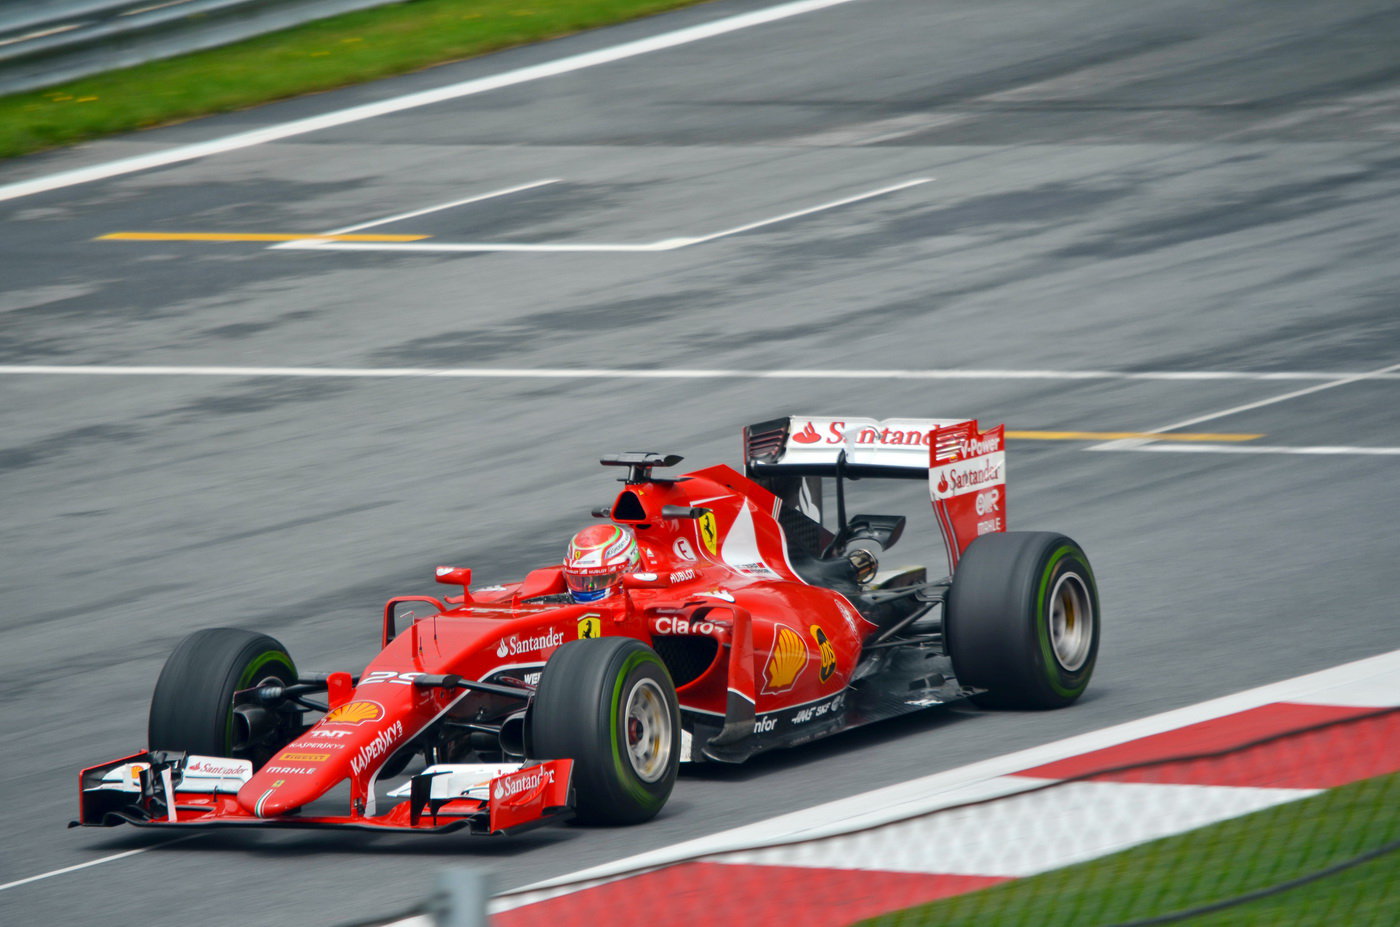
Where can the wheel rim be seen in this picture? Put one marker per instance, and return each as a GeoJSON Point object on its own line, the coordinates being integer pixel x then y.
{"type": "Point", "coordinates": [1071, 622]}
{"type": "Point", "coordinates": [648, 728]}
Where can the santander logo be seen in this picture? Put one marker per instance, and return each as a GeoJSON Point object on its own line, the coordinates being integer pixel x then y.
{"type": "Point", "coordinates": [807, 435]}
{"type": "Point", "coordinates": [512, 785]}
{"type": "Point", "coordinates": [942, 482]}
{"type": "Point", "coordinates": [515, 644]}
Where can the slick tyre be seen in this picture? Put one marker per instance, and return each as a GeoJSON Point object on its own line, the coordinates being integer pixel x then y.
{"type": "Point", "coordinates": [609, 705]}
{"type": "Point", "coordinates": [193, 707]}
{"type": "Point", "coordinates": [1023, 620]}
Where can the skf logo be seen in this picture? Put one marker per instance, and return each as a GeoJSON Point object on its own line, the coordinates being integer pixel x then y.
{"type": "Point", "coordinates": [356, 712]}
{"type": "Point", "coordinates": [786, 662]}
{"type": "Point", "coordinates": [590, 626]}
{"type": "Point", "coordinates": [709, 533]}
{"type": "Point", "coordinates": [828, 652]}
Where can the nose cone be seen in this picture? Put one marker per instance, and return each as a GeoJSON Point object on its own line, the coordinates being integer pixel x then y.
{"type": "Point", "coordinates": [277, 790]}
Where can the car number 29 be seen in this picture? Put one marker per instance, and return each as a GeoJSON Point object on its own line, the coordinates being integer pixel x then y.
{"type": "Point", "coordinates": [402, 679]}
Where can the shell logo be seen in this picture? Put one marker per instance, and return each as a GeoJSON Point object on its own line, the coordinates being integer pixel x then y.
{"type": "Point", "coordinates": [356, 712]}
{"type": "Point", "coordinates": [786, 661]}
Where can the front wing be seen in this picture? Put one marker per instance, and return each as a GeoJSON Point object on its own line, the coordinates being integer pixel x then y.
{"type": "Point", "coordinates": [174, 790]}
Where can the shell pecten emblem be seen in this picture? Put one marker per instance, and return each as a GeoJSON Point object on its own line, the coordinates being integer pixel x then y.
{"type": "Point", "coordinates": [356, 712]}
{"type": "Point", "coordinates": [786, 661]}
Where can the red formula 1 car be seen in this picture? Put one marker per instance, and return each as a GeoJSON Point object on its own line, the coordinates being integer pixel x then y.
{"type": "Point", "coordinates": [756, 620]}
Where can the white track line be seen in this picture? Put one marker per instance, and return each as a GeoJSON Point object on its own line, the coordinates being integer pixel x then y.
{"type": "Point", "coordinates": [473, 247]}
{"type": "Point", "coordinates": [624, 373]}
{"type": "Point", "coordinates": [668, 244]}
{"type": "Point", "coordinates": [1366, 683]}
{"type": "Point", "coordinates": [1206, 448]}
{"type": "Point", "coordinates": [813, 209]}
{"type": "Point", "coordinates": [1133, 443]}
{"type": "Point", "coordinates": [430, 209]}
{"type": "Point", "coordinates": [96, 862]}
{"type": "Point", "coordinates": [414, 100]}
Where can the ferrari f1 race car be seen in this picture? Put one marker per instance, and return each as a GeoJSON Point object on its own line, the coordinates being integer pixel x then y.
{"type": "Point", "coordinates": [757, 618]}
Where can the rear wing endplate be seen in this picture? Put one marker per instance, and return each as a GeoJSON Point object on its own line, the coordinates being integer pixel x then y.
{"type": "Point", "coordinates": [965, 466]}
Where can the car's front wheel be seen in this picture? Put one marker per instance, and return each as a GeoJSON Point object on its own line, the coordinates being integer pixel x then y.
{"type": "Point", "coordinates": [193, 707]}
{"type": "Point", "coordinates": [609, 705]}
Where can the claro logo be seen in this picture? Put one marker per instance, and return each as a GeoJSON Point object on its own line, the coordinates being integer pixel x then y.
{"type": "Point", "coordinates": [515, 644]}
{"type": "Point", "coordinates": [669, 624]}
{"type": "Point", "coordinates": [524, 781]}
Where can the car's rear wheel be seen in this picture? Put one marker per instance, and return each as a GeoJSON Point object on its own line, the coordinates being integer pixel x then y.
{"type": "Point", "coordinates": [609, 705]}
{"type": "Point", "coordinates": [1023, 619]}
{"type": "Point", "coordinates": [193, 707]}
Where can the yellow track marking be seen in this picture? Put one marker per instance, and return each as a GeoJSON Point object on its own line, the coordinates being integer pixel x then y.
{"type": "Point", "coordinates": [1125, 435]}
{"type": "Point", "coordinates": [248, 236]}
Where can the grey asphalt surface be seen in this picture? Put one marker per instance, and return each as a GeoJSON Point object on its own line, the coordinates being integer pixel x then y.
{"type": "Point", "coordinates": [1176, 186]}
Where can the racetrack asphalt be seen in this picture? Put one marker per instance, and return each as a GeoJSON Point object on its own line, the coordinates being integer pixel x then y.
{"type": "Point", "coordinates": [1185, 186]}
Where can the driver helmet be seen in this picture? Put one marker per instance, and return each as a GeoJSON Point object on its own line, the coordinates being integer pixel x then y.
{"type": "Point", "coordinates": [596, 559]}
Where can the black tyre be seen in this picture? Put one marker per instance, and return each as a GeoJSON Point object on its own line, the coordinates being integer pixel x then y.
{"type": "Point", "coordinates": [609, 705]}
{"type": "Point", "coordinates": [193, 707]}
{"type": "Point", "coordinates": [1023, 620]}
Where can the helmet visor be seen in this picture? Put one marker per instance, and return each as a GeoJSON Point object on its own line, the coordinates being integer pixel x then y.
{"type": "Point", "coordinates": [591, 582]}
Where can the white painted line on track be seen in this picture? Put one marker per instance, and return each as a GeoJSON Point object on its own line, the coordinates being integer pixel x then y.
{"type": "Point", "coordinates": [360, 113]}
{"type": "Point", "coordinates": [1371, 682]}
{"type": "Point", "coordinates": [95, 862]}
{"type": "Point", "coordinates": [430, 209]}
{"type": "Point", "coordinates": [680, 373]}
{"type": "Point", "coordinates": [472, 247]}
{"type": "Point", "coordinates": [1208, 448]}
{"type": "Point", "coordinates": [1133, 443]}
{"type": "Point", "coordinates": [813, 209]}
{"type": "Point", "coordinates": [667, 244]}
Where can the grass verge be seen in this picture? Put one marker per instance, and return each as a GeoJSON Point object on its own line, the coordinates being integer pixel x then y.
{"type": "Point", "coordinates": [317, 56]}
{"type": "Point", "coordinates": [1212, 864]}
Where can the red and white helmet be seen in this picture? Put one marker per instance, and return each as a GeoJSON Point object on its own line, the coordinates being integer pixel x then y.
{"type": "Point", "coordinates": [597, 557]}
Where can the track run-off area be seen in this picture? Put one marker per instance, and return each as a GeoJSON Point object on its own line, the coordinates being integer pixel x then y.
{"type": "Point", "coordinates": [1157, 242]}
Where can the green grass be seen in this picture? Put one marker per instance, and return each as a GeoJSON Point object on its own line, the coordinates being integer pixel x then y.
{"type": "Point", "coordinates": [317, 56]}
{"type": "Point", "coordinates": [1212, 864]}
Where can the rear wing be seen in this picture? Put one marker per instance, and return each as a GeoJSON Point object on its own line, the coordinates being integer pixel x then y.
{"type": "Point", "coordinates": [965, 466]}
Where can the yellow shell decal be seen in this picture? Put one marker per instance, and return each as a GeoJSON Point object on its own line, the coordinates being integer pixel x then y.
{"type": "Point", "coordinates": [590, 626]}
{"type": "Point", "coordinates": [709, 533]}
{"type": "Point", "coordinates": [828, 652]}
{"type": "Point", "coordinates": [786, 661]}
{"type": "Point", "coordinates": [356, 712]}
